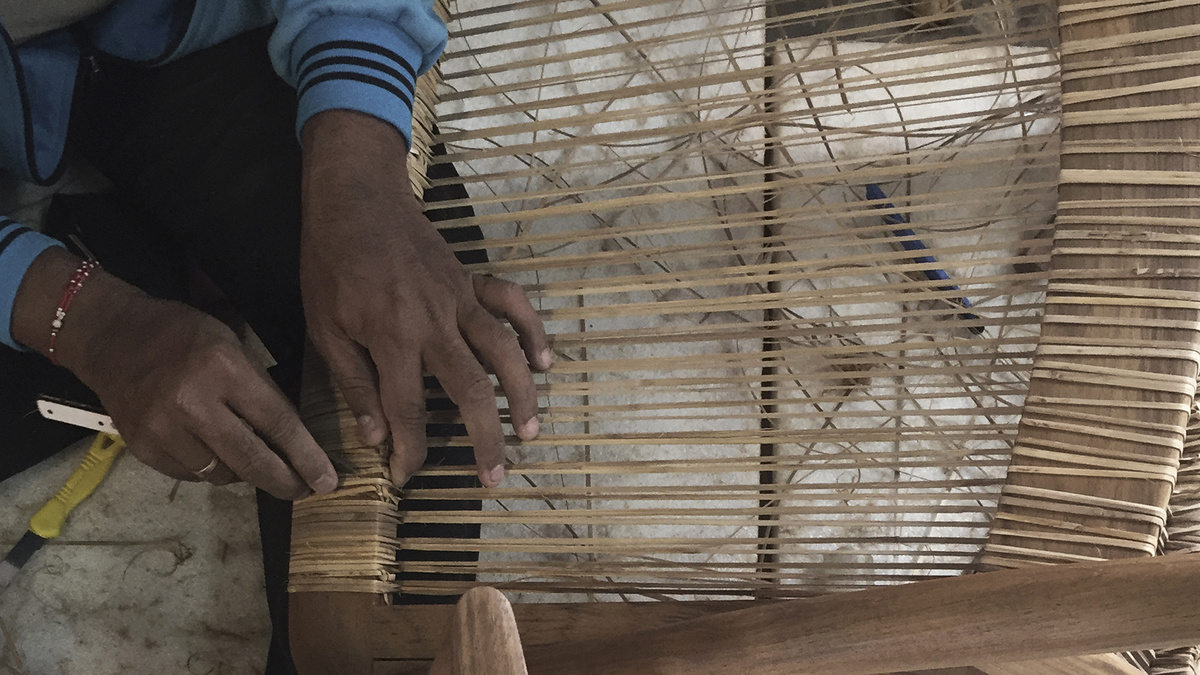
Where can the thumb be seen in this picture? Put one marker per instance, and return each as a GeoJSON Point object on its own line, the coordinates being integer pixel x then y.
{"type": "Point", "coordinates": [355, 376]}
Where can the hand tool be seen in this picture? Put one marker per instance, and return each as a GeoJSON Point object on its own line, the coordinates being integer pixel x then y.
{"type": "Point", "coordinates": [76, 414]}
{"type": "Point", "coordinates": [47, 523]}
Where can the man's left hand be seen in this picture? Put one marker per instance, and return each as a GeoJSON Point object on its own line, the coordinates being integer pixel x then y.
{"type": "Point", "coordinates": [386, 300]}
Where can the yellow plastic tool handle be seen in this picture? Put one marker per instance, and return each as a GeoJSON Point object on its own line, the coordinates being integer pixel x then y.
{"type": "Point", "coordinates": [48, 522]}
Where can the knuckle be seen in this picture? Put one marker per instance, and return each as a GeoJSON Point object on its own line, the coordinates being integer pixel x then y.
{"type": "Point", "coordinates": [254, 466]}
{"type": "Point", "coordinates": [226, 356]}
{"type": "Point", "coordinates": [352, 385]}
{"type": "Point", "coordinates": [185, 400]}
{"type": "Point", "coordinates": [505, 340]}
{"type": "Point", "coordinates": [511, 293]}
{"type": "Point", "coordinates": [217, 357]}
{"type": "Point", "coordinates": [487, 292]}
{"type": "Point", "coordinates": [408, 417]}
{"type": "Point", "coordinates": [496, 291]}
{"type": "Point", "coordinates": [279, 423]}
{"type": "Point", "coordinates": [478, 392]}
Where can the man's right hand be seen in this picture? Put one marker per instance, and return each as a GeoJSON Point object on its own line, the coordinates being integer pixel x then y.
{"type": "Point", "coordinates": [179, 388]}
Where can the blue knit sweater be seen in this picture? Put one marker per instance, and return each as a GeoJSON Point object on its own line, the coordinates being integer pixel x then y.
{"type": "Point", "coordinates": [362, 55]}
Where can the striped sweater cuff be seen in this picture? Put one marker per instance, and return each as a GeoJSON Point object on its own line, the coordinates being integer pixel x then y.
{"type": "Point", "coordinates": [356, 63]}
{"type": "Point", "coordinates": [19, 247]}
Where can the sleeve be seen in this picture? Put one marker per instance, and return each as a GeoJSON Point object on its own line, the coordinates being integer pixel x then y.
{"type": "Point", "coordinates": [362, 55]}
{"type": "Point", "coordinates": [19, 247]}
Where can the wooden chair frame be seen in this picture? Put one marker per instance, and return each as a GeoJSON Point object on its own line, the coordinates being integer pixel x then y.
{"type": "Point", "coordinates": [1129, 198]}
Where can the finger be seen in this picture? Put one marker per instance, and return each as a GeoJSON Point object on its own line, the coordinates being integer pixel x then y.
{"type": "Point", "coordinates": [356, 379]}
{"type": "Point", "coordinates": [497, 345]}
{"type": "Point", "coordinates": [218, 474]}
{"type": "Point", "coordinates": [467, 384]}
{"type": "Point", "coordinates": [192, 454]}
{"type": "Point", "coordinates": [267, 410]}
{"type": "Point", "coordinates": [153, 457]}
{"type": "Point", "coordinates": [505, 300]}
{"type": "Point", "coordinates": [403, 395]}
{"type": "Point", "coordinates": [246, 454]}
{"type": "Point", "coordinates": [222, 475]}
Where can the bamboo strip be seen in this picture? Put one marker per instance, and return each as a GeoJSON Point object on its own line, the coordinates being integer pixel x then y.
{"type": "Point", "coordinates": [472, 54]}
{"type": "Point", "coordinates": [719, 103]}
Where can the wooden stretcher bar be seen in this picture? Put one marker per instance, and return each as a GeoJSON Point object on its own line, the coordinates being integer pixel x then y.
{"type": "Point", "coordinates": [484, 640]}
{"type": "Point", "coordinates": [1049, 612]}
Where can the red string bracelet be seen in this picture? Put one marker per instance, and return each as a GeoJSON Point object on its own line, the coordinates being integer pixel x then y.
{"type": "Point", "coordinates": [72, 289]}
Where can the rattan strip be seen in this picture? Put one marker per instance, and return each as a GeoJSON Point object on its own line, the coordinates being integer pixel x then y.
{"type": "Point", "coordinates": [342, 541]}
{"type": "Point", "coordinates": [722, 21]}
{"type": "Point", "coordinates": [1125, 207]}
{"type": "Point", "coordinates": [784, 93]}
{"type": "Point", "coordinates": [750, 180]}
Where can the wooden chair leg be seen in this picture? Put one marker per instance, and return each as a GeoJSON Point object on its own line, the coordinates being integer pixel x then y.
{"type": "Point", "coordinates": [483, 638]}
{"type": "Point", "coordinates": [331, 633]}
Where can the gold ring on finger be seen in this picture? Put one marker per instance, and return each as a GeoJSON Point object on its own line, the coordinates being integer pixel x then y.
{"type": "Point", "coordinates": [204, 473]}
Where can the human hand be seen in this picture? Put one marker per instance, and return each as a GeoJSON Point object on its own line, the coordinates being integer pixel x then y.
{"type": "Point", "coordinates": [176, 382]}
{"type": "Point", "coordinates": [385, 299]}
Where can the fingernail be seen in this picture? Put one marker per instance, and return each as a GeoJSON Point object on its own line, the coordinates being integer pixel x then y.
{"type": "Point", "coordinates": [369, 430]}
{"type": "Point", "coordinates": [545, 359]}
{"type": "Point", "coordinates": [529, 430]}
{"type": "Point", "coordinates": [494, 477]}
{"type": "Point", "coordinates": [326, 484]}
